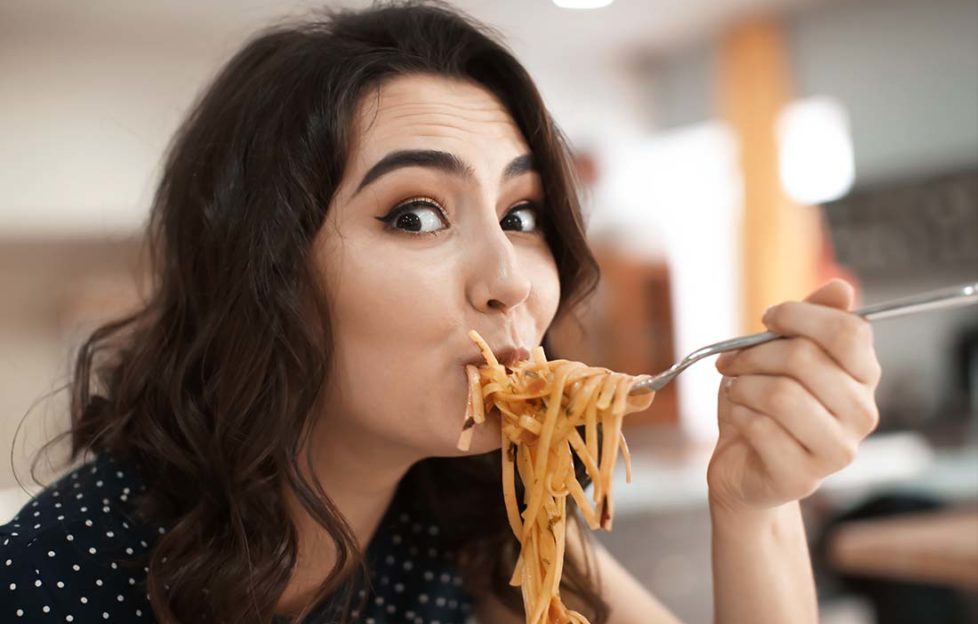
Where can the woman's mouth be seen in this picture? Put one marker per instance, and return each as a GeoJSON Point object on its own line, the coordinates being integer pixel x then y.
{"type": "Point", "coordinates": [507, 356]}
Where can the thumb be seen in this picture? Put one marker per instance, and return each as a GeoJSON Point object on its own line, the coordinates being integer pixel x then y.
{"type": "Point", "coordinates": [835, 293]}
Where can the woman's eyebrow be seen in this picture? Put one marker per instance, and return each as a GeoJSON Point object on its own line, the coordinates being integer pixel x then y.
{"type": "Point", "coordinates": [443, 161]}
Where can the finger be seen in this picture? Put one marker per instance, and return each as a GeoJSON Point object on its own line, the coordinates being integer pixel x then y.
{"type": "Point", "coordinates": [835, 293]}
{"type": "Point", "coordinates": [846, 337]}
{"type": "Point", "coordinates": [804, 361]}
{"type": "Point", "coordinates": [788, 403]}
{"type": "Point", "coordinates": [783, 458]}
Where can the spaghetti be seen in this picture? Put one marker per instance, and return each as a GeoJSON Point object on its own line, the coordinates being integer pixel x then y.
{"type": "Point", "coordinates": [542, 404]}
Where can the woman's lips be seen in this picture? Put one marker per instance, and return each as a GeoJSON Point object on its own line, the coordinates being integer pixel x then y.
{"type": "Point", "coordinates": [507, 356]}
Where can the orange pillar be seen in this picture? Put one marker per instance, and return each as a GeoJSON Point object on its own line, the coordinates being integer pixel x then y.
{"type": "Point", "coordinates": [780, 238]}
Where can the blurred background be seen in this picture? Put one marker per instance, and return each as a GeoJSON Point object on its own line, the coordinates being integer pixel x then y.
{"type": "Point", "coordinates": [736, 153]}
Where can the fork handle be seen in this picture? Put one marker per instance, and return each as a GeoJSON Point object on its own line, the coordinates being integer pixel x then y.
{"type": "Point", "coordinates": [932, 300]}
{"type": "Point", "coordinates": [936, 299]}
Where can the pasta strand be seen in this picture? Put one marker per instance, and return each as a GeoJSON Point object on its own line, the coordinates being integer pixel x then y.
{"type": "Point", "coordinates": [543, 405]}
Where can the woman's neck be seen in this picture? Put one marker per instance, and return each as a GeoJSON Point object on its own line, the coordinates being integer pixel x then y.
{"type": "Point", "coordinates": [361, 480]}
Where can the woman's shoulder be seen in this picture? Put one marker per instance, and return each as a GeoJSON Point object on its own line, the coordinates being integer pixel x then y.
{"type": "Point", "coordinates": [76, 550]}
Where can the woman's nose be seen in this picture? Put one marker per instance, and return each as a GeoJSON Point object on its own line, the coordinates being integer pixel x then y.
{"type": "Point", "coordinates": [498, 281]}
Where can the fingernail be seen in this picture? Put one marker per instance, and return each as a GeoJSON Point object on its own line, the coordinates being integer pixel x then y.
{"type": "Point", "coordinates": [724, 359]}
{"type": "Point", "coordinates": [767, 314]}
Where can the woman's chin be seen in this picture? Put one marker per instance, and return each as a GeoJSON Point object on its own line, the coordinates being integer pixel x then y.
{"type": "Point", "coordinates": [485, 438]}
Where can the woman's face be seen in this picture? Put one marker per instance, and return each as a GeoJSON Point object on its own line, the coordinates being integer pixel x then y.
{"type": "Point", "coordinates": [432, 232]}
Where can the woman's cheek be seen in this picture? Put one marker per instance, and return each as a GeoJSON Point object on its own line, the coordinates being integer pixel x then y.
{"type": "Point", "coordinates": [545, 294]}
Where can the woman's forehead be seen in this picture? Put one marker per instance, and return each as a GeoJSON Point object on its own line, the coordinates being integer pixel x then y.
{"type": "Point", "coordinates": [434, 112]}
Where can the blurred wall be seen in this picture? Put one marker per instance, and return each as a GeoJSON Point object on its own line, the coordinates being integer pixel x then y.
{"type": "Point", "coordinates": [86, 125]}
{"type": "Point", "coordinates": [906, 70]}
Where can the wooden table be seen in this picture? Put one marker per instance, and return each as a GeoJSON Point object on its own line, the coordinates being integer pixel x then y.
{"type": "Point", "coordinates": [934, 547]}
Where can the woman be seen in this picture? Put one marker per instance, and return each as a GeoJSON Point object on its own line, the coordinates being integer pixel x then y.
{"type": "Point", "coordinates": [272, 436]}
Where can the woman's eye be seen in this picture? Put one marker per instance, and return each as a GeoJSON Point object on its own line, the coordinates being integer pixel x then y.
{"type": "Point", "coordinates": [417, 216]}
{"type": "Point", "coordinates": [523, 218]}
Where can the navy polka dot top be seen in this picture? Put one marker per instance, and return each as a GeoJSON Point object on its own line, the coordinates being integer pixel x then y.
{"type": "Point", "coordinates": [76, 553]}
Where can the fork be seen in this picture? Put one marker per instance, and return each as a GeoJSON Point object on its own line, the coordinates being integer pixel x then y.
{"type": "Point", "coordinates": [936, 299]}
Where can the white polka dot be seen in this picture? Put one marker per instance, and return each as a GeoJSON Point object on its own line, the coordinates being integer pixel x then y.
{"type": "Point", "coordinates": [37, 583]}
{"type": "Point", "coordinates": [98, 582]}
{"type": "Point", "coordinates": [50, 553]}
{"type": "Point", "coordinates": [20, 613]}
{"type": "Point", "coordinates": [120, 598]}
{"type": "Point", "coordinates": [92, 550]}
{"type": "Point", "coordinates": [70, 537]}
{"type": "Point", "coordinates": [69, 618]}
{"type": "Point", "coordinates": [13, 586]}
{"type": "Point", "coordinates": [105, 615]}
{"type": "Point", "coordinates": [84, 600]}
{"type": "Point", "coordinates": [61, 584]}
{"type": "Point", "coordinates": [75, 567]}
{"type": "Point", "coordinates": [46, 609]}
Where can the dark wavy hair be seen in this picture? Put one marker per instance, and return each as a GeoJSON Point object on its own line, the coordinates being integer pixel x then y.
{"type": "Point", "coordinates": [210, 388]}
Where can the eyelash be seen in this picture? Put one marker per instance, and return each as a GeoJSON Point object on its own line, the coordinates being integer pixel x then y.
{"type": "Point", "coordinates": [391, 217]}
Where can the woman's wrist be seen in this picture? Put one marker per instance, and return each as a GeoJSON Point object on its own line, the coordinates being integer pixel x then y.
{"type": "Point", "coordinates": [727, 517]}
{"type": "Point", "coordinates": [762, 571]}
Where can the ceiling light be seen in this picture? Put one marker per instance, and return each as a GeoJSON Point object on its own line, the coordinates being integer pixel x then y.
{"type": "Point", "coordinates": [582, 4]}
{"type": "Point", "coordinates": [816, 156]}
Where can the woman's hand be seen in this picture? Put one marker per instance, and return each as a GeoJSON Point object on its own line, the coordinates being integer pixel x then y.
{"type": "Point", "coordinates": [793, 411]}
